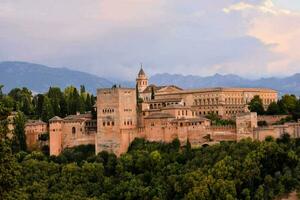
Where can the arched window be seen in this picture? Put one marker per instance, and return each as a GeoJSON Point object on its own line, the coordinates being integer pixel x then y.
{"type": "Point", "coordinates": [73, 130]}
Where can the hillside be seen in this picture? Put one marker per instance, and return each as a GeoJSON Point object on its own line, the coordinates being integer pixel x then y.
{"type": "Point", "coordinates": [39, 77]}
{"type": "Point", "coordinates": [285, 85]}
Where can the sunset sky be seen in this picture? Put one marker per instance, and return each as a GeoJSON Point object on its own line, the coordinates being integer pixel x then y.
{"type": "Point", "coordinates": [109, 38]}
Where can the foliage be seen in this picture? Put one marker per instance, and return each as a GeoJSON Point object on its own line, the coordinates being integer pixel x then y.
{"type": "Point", "coordinates": [47, 110]}
{"type": "Point", "coordinates": [150, 170]}
{"type": "Point", "coordinates": [218, 121]}
{"type": "Point", "coordinates": [9, 171]}
{"type": "Point", "coordinates": [152, 93]}
{"type": "Point", "coordinates": [45, 106]}
{"type": "Point", "coordinates": [273, 109]}
{"type": "Point", "coordinates": [288, 104]}
{"type": "Point", "coordinates": [19, 137]}
{"type": "Point", "coordinates": [256, 105]}
{"type": "Point", "coordinates": [262, 123]}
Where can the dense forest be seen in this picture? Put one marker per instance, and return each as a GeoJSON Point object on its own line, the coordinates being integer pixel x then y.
{"type": "Point", "coordinates": [243, 170]}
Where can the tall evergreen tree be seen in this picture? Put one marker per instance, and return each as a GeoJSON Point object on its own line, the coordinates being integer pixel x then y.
{"type": "Point", "coordinates": [8, 165]}
{"type": "Point", "coordinates": [39, 101]}
{"type": "Point", "coordinates": [19, 138]}
{"type": "Point", "coordinates": [63, 107]}
{"type": "Point", "coordinates": [256, 105]}
{"type": "Point", "coordinates": [55, 95]}
{"type": "Point", "coordinates": [1, 92]}
{"type": "Point", "coordinates": [273, 109]}
{"type": "Point", "coordinates": [88, 103]}
{"type": "Point", "coordinates": [47, 111]}
{"type": "Point", "coordinates": [82, 89]}
{"type": "Point", "coordinates": [152, 93]}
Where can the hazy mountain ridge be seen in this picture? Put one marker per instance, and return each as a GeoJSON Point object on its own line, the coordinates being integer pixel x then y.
{"type": "Point", "coordinates": [40, 77]}
{"type": "Point", "coordinates": [290, 84]}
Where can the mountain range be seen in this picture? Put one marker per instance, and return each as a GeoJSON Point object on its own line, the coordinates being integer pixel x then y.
{"type": "Point", "coordinates": [39, 78]}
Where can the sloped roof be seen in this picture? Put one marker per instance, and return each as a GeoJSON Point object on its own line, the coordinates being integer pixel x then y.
{"type": "Point", "coordinates": [159, 116]}
{"type": "Point", "coordinates": [141, 72]}
{"type": "Point", "coordinates": [164, 100]}
{"type": "Point", "coordinates": [163, 88]}
{"type": "Point", "coordinates": [56, 118]}
{"type": "Point", "coordinates": [35, 122]}
{"type": "Point", "coordinates": [80, 116]}
{"type": "Point", "coordinates": [149, 88]}
{"type": "Point", "coordinates": [197, 119]}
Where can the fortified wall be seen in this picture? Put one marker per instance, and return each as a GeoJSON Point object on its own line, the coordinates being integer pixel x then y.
{"type": "Point", "coordinates": [163, 114]}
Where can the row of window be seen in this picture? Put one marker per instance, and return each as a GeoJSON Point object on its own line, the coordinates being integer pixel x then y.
{"type": "Point", "coordinates": [112, 123]}
{"type": "Point", "coordinates": [108, 123]}
{"type": "Point", "coordinates": [159, 105]}
{"type": "Point", "coordinates": [208, 112]}
{"type": "Point", "coordinates": [206, 101]}
{"type": "Point", "coordinates": [183, 112]}
{"type": "Point", "coordinates": [181, 124]}
{"type": "Point", "coordinates": [233, 111]}
{"type": "Point", "coordinates": [127, 123]}
{"type": "Point", "coordinates": [108, 110]}
{"type": "Point", "coordinates": [144, 82]}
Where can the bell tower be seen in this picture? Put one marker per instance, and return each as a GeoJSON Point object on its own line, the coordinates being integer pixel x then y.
{"type": "Point", "coordinates": [141, 80]}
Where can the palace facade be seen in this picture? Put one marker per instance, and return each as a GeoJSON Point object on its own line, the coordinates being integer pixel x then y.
{"type": "Point", "coordinates": [159, 113]}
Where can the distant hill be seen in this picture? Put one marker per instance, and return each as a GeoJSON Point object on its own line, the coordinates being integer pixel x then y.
{"type": "Point", "coordinates": [39, 78]}
{"type": "Point", "coordinates": [285, 85]}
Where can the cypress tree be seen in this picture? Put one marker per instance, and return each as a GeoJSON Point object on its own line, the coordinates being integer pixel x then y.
{"type": "Point", "coordinates": [19, 138]}
{"type": "Point", "coordinates": [47, 111]}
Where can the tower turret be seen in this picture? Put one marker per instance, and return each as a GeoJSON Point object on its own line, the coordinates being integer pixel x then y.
{"type": "Point", "coordinates": [142, 80]}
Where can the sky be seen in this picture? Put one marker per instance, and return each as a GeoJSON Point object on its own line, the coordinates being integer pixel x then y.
{"type": "Point", "coordinates": [110, 38]}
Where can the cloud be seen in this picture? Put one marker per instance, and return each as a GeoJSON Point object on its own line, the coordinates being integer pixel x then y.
{"type": "Point", "coordinates": [277, 27]}
{"type": "Point", "coordinates": [111, 37]}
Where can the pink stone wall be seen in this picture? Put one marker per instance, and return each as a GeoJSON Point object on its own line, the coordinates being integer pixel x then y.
{"type": "Point", "coordinates": [32, 132]}
{"type": "Point", "coordinates": [55, 131]}
{"type": "Point", "coordinates": [270, 119]}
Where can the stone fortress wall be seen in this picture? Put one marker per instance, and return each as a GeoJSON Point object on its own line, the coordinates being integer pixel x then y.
{"type": "Point", "coordinates": [165, 113]}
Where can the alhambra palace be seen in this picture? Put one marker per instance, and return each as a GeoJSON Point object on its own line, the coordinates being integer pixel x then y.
{"type": "Point", "coordinates": [161, 113]}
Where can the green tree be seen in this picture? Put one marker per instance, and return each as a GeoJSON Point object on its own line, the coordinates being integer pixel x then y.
{"type": "Point", "coordinates": [47, 111]}
{"type": "Point", "coordinates": [273, 109]}
{"type": "Point", "coordinates": [1, 92]}
{"type": "Point", "coordinates": [19, 138]}
{"type": "Point", "coordinates": [296, 111]}
{"type": "Point", "coordinates": [8, 102]}
{"type": "Point", "coordinates": [88, 103]}
{"type": "Point", "coordinates": [82, 89]}
{"type": "Point", "coordinates": [9, 170]}
{"type": "Point", "coordinates": [256, 105]}
{"type": "Point", "coordinates": [8, 166]}
{"type": "Point", "coordinates": [38, 104]}
{"type": "Point", "coordinates": [55, 96]}
{"type": "Point", "coordinates": [74, 101]}
{"type": "Point", "coordinates": [152, 93]}
{"type": "Point", "coordinates": [287, 103]}
{"type": "Point", "coordinates": [23, 100]}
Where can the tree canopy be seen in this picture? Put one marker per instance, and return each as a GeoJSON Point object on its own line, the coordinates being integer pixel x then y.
{"type": "Point", "coordinates": [54, 102]}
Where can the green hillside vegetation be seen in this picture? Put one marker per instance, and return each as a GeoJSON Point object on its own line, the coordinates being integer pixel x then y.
{"type": "Point", "coordinates": [150, 170]}
{"type": "Point", "coordinates": [55, 102]}
{"type": "Point", "coordinates": [244, 170]}
{"type": "Point", "coordinates": [286, 105]}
